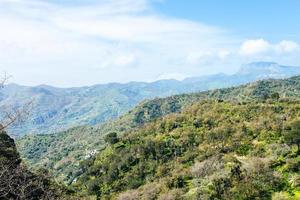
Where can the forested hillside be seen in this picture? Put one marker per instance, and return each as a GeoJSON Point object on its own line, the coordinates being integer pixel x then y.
{"type": "Point", "coordinates": [62, 152]}
{"type": "Point", "coordinates": [211, 150]}
{"type": "Point", "coordinates": [57, 109]}
{"type": "Point", "coordinates": [149, 100]}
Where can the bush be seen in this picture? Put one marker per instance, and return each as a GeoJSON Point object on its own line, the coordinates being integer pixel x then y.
{"type": "Point", "coordinates": [111, 138]}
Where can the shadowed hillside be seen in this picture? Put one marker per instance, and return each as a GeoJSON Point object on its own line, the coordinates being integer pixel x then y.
{"type": "Point", "coordinates": [17, 182]}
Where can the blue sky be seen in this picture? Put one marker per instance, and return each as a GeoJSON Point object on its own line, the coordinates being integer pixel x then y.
{"type": "Point", "coordinates": [273, 19]}
{"type": "Point", "coordinates": [73, 43]}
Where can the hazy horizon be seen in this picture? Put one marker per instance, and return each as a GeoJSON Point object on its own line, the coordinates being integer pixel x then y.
{"type": "Point", "coordinates": [80, 43]}
{"type": "Point", "coordinates": [145, 81]}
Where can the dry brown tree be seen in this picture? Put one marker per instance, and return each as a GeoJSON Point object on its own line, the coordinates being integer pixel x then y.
{"type": "Point", "coordinates": [16, 181]}
{"type": "Point", "coordinates": [11, 115]}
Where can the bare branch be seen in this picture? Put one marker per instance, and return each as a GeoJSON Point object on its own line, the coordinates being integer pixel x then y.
{"type": "Point", "coordinates": [16, 182]}
{"type": "Point", "coordinates": [12, 116]}
{"type": "Point", "coordinates": [4, 79]}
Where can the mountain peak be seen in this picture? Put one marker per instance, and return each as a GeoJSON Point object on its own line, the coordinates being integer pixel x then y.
{"type": "Point", "coordinates": [264, 70]}
{"type": "Point", "coordinates": [250, 67]}
{"type": "Point", "coordinates": [261, 64]}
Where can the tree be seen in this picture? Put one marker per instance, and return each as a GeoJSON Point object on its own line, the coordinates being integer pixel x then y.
{"type": "Point", "coordinates": [16, 181]}
{"type": "Point", "coordinates": [275, 96]}
{"type": "Point", "coordinates": [111, 138]}
{"type": "Point", "coordinates": [10, 116]}
{"type": "Point", "coordinates": [292, 134]}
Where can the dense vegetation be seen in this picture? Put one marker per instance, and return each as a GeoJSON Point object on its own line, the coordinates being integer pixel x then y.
{"type": "Point", "coordinates": [17, 182]}
{"type": "Point", "coordinates": [62, 152]}
{"type": "Point", "coordinates": [211, 150]}
{"type": "Point", "coordinates": [57, 109]}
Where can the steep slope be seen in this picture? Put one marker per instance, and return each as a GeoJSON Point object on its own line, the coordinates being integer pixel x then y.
{"type": "Point", "coordinates": [57, 109]}
{"type": "Point", "coordinates": [8, 150]}
{"type": "Point", "coordinates": [211, 150]}
{"type": "Point", "coordinates": [17, 182]}
{"type": "Point", "coordinates": [260, 90]}
{"type": "Point", "coordinates": [62, 152]}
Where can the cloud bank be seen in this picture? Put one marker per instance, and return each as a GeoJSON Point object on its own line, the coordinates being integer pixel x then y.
{"type": "Point", "coordinates": [78, 43]}
{"type": "Point", "coordinates": [263, 47]}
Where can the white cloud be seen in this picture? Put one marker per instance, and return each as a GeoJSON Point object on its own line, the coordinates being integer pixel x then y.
{"type": "Point", "coordinates": [208, 57]}
{"type": "Point", "coordinates": [113, 40]}
{"type": "Point", "coordinates": [199, 57]}
{"type": "Point", "coordinates": [174, 75]}
{"type": "Point", "coordinates": [136, 29]}
{"type": "Point", "coordinates": [125, 60]}
{"type": "Point", "coordinates": [97, 39]}
{"type": "Point", "coordinates": [223, 54]}
{"type": "Point", "coordinates": [286, 47]}
{"type": "Point", "coordinates": [261, 47]}
{"type": "Point", "coordinates": [254, 47]}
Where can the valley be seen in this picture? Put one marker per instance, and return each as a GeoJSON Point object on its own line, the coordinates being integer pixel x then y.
{"type": "Point", "coordinates": [58, 109]}
{"type": "Point", "coordinates": [149, 100]}
{"type": "Point", "coordinates": [233, 109]}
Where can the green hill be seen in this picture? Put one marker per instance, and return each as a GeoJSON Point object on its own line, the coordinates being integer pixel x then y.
{"type": "Point", "coordinates": [211, 150]}
{"type": "Point", "coordinates": [62, 152]}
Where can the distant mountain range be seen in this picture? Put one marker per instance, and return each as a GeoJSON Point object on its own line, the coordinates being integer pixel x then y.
{"type": "Point", "coordinates": [56, 109]}
{"type": "Point", "coordinates": [62, 152]}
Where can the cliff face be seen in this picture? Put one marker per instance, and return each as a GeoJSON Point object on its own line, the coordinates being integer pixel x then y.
{"type": "Point", "coordinates": [16, 181]}
{"type": "Point", "coordinates": [8, 150]}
